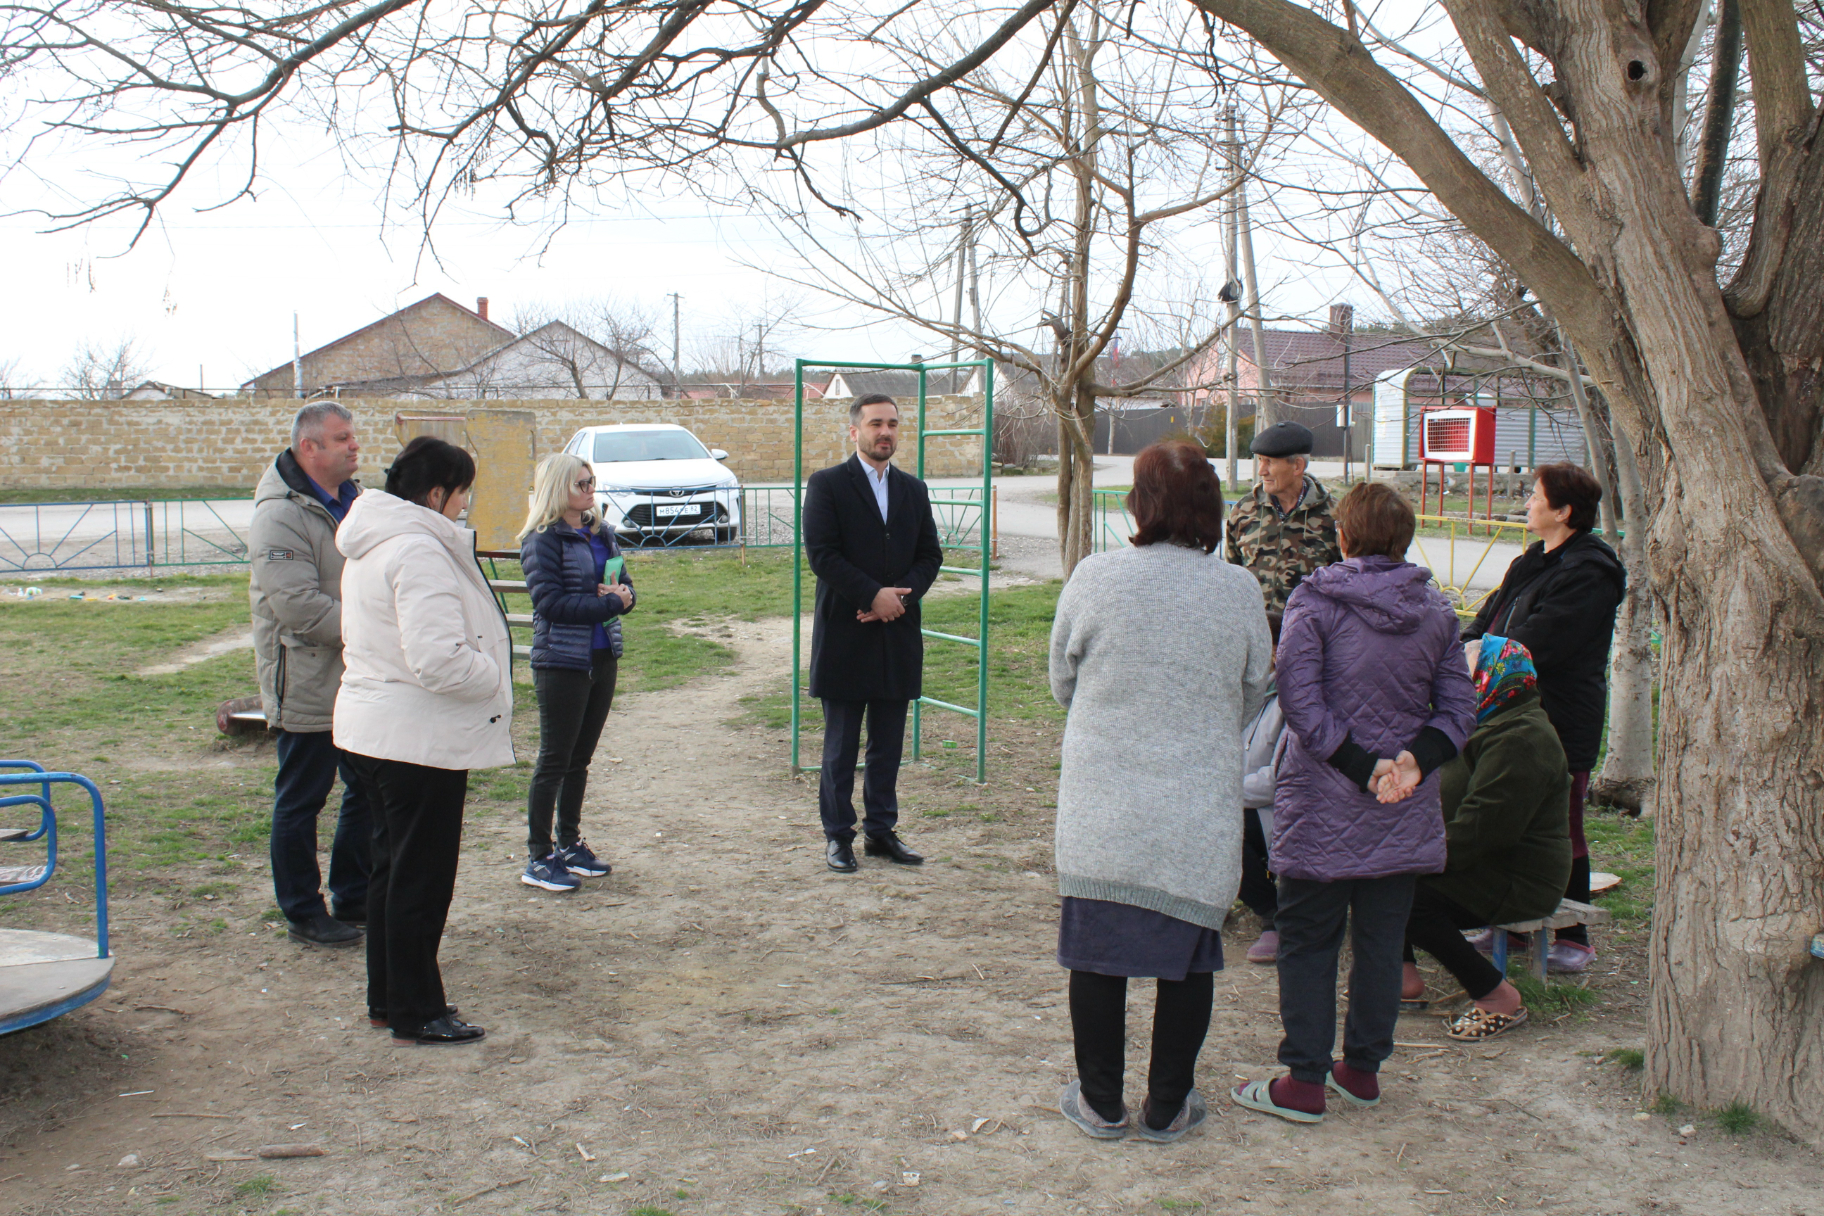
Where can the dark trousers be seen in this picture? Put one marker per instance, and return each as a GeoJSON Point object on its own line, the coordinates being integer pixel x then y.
{"type": "Point", "coordinates": [1098, 1021]}
{"type": "Point", "coordinates": [1433, 927]}
{"type": "Point", "coordinates": [572, 706]}
{"type": "Point", "coordinates": [836, 785]}
{"type": "Point", "coordinates": [1312, 916]}
{"type": "Point", "coordinates": [417, 839]}
{"type": "Point", "coordinates": [1579, 886]}
{"type": "Point", "coordinates": [308, 764]}
{"type": "Point", "coordinates": [1258, 890]}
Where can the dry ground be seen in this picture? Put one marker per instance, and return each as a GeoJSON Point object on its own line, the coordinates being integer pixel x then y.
{"type": "Point", "coordinates": [723, 1026]}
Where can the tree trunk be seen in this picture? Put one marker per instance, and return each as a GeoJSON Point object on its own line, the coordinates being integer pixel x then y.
{"type": "Point", "coordinates": [1076, 482]}
{"type": "Point", "coordinates": [1626, 779]}
{"type": "Point", "coordinates": [1736, 1000]}
{"type": "Point", "coordinates": [1736, 540]}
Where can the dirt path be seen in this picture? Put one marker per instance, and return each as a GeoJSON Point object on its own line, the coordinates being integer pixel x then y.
{"type": "Point", "coordinates": [733, 1029]}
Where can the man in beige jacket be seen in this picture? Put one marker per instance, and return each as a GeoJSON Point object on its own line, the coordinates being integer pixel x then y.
{"type": "Point", "coordinates": [296, 589]}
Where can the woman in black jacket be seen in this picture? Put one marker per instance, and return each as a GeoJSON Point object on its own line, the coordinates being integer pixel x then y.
{"type": "Point", "coordinates": [579, 588]}
{"type": "Point", "coordinates": [1559, 600]}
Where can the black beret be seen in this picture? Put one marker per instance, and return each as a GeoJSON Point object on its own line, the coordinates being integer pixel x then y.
{"type": "Point", "coordinates": [1283, 439]}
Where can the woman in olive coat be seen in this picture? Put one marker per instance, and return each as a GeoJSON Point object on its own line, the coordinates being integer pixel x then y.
{"type": "Point", "coordinates": [1506, 801]}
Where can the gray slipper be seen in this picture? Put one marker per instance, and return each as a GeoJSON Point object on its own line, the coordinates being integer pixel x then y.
{"type": "Point", "coordinates": [1072, 1106]}
{"type": "Point", "coordinates": [1256, 1095]}
{"type": "Point", "coordinates": [1192, 1114]}
{"type": "Point", "coordinates": [1336, 1087]}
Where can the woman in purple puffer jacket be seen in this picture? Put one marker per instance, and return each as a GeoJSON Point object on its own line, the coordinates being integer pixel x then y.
{"type": "Point", "coordinates": [1376, 697]}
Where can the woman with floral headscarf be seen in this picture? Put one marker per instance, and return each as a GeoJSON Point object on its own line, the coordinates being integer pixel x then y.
{"type": "Point", "coordinates": [1506, 801]}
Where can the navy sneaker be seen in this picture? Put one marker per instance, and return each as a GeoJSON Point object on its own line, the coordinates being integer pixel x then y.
{"type": "Point", "coordinates": [548, 873]}
{"type": "Point", "coordinates": [579, 860]}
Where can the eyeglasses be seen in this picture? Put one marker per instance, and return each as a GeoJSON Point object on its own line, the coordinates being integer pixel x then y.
{"type": "Point", "coordinates": [587, 483]}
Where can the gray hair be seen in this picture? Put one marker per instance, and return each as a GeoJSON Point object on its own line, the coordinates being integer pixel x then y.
{"type": "Point", "coordinates": [310, 420]}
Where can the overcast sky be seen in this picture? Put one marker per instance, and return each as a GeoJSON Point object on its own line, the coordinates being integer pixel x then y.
{"type": "Point", "coordinates": [209, 297]}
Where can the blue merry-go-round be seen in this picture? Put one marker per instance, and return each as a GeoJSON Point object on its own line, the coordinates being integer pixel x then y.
{"type": "Point", "coordinates": [44, 975]}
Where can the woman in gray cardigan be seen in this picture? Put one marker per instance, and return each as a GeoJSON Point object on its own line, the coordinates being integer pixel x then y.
{"type": "Point", "coordinates": [1161, 653]}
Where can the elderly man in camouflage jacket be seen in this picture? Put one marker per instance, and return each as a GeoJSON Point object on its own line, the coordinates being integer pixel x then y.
{"type": "Point", "coordinates": [1286, 528]}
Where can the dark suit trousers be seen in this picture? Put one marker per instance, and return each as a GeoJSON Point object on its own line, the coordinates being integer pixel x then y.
{"type": "Point", "coordinates": [841, 743]}
{"type": "Point", "coordinates": [417, 839]}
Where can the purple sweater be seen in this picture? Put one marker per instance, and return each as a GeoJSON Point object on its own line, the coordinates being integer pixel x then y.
{"type": "Point", "coordinates": [1368, 653]}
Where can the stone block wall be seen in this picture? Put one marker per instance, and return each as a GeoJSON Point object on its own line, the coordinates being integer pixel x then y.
{"type": "Point", "coordinates": [230, 442]}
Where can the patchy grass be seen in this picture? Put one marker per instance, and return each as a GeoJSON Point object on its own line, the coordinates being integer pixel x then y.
{"type": "Point", "coordinates": [1631, 1058]}
{"type": "Point", "coordinates": [1738, 1119]}
{"type": "Point", "coordinates": [680, 594]}
{"type": "Point", "coordinates": [1548, 997]}
{"type": "Point", "coordinates": [1622, 845]}
{"type": "Point", "coordinates": [1019, 681]}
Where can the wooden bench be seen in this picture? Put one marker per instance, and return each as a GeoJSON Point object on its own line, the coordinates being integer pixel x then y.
{"type": "Point", "coordinates": [1568, 913]}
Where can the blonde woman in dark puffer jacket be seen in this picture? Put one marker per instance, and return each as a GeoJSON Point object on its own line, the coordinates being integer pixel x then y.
{"type": "Point", "coordinates": [579, 587]}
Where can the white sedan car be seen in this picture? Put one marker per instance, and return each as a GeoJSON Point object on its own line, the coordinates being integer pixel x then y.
{"type": "Point", "coordinates": [657, 484]}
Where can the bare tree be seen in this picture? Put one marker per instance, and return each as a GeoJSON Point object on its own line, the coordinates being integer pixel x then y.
{"type": "Point", "coordinates": [13, 384]}
{"type": "Point", "coordinates": [735, 349]}
{"type": "Point", "coordinates": [1059, 172]}
{"type": "Point", "coordinates": [102, 371]}
{"type": "Point", "coordinates": [539, 97]}
{"type": "Point", "coordinates": [1713, 384]}
{"type": "Point", "coordinates": [599, 349]}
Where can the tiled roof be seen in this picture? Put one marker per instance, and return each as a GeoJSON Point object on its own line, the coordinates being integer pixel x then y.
{"type": "Point", "coordinates": [1312, 360]}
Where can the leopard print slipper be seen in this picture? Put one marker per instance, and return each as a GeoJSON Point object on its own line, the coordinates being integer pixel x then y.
{"type": "Point", "coordinates": [1480, 1025]}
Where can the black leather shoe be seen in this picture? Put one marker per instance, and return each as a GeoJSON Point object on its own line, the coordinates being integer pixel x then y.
{"type": "Point", "coordinates": [322, 930]}
{"type": "Point", "coordinates": [379, 1021]}
{"type": "Point", "coordinates": [447, 1030]}
{"type": "Point", "coordinates": [890, 845]}
{"type": "Point", "coordinates": [349, 914]}
{"type": "Point", "coordinates": [840, 854]}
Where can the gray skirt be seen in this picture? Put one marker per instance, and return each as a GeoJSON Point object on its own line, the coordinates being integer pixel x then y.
{"type": "Point", "coordinates": [1120, 939]}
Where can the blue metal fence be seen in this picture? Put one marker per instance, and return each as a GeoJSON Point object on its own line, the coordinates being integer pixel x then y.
{"type": "Point", "coordinates": [53, 538]}
{"type": "Point", "coordinates": [68, 537]}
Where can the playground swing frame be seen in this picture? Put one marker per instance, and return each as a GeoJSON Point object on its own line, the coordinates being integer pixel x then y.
{"type": "Point", "coordinates": [982, 547]}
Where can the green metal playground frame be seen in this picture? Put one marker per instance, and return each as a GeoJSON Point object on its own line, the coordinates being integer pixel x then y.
{"type": "Point", "coordinates": [983, 507]}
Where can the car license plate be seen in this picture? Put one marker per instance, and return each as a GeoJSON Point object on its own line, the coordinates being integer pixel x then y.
{"type": "Point", "coordinates": [672, 510]}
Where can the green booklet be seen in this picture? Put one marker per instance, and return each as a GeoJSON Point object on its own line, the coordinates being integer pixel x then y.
{"type": "Point", "coordinates": [611, 570]}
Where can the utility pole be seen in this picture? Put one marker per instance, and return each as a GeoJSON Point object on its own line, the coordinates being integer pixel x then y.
{"type": "Point", "coordinates": [975, 296]}
{"type": "Point", "coordinates": [676, 377]}
{"type": "Point", "coordinates": [297, 360]}
{"type": "Point", "coordinates": [1266, 409]}
{"type": "Point", "coordinates": [1345, 318]}
{"type": "Point", "coordinates": [1231, 290]}
{"type": "Point", "coordinates": [956, 311]}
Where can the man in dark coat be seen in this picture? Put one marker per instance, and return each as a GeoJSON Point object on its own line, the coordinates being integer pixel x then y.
{"type": "Point", "coordinates": [870, 538]}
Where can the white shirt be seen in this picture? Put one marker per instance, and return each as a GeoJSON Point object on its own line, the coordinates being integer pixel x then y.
{"type": "Point", "coordinates": [878, 479]}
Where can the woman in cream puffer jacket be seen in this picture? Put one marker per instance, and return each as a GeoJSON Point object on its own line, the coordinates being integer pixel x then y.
{"type": "Point", "coordinates": [426, 696]}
